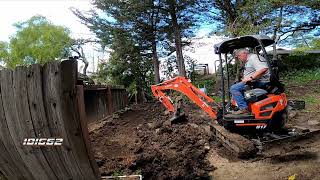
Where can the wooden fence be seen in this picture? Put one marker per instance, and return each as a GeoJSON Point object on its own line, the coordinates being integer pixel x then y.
{"type": "Point", "coordinates": [44, 101]}
{"type": "Point", "coordinates": [101, 101]}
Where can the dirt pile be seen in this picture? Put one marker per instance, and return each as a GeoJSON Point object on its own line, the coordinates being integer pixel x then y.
{"type": "Point", "coordinates": [174, 151]}
{"type": "Point", "coordinates": [141, 140]}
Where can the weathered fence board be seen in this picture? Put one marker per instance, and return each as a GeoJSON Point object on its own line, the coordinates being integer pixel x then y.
{"type": "Point", "coordinates": [40, 121]}
{"type": "Point", "coordinates": [52, 98]}
{"type": "Point", "coordinates": [84, 127]}
{"type": "Point", "coordinates": [23, 127]}
{"type": "Point", "coordinates": [103, 100]}
{"type": "Point", "coordinates": [72, 118]}
{"type": "Point", "coordinates": [10, 134]}
{"type": "Point", "coordinates": [44, 102]}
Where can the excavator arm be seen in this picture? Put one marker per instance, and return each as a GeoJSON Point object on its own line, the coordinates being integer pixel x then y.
{"type": "Point", "coordinates": [184, 86]}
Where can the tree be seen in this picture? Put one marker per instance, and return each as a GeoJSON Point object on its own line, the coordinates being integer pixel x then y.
{"type": "Point", "coordinates": [276, 17]}
{"type": "Point", "coordinates": [152, 23]}
{"type": "Point", "coordinates": [126, 66]}
{"type": "Point", "coordinates": [140, 18]}
{"type": "Point", "coordinates": [37, 41]}
{"type": "Point", "coordinates": [239, 17]}
{"type": "Point", "coordinates": [313, 45]}
{"type": "Point", "coordinates": [287, 24]}
{"type": "Point", "coordinates": [4, 53]}
{"type": "Point", "coordinates": [183, 16]}
{"type": "Point", "coordinates": [279, 18]}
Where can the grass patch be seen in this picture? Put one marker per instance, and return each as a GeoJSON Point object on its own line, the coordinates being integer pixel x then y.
{"type": "Point", "coordinates": [217, 99]}
{"type": "Point", "coordinates": [118, 173]}
{"type": "Point", "coordinates": [138, 172]}
{"type": "Point", "coordinates": [301, 77]}
{"type": "Point", "coordinates": [310, 99]}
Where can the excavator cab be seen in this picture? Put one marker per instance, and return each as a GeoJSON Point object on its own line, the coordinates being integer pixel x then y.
{"type": "Point", "coordinates": [267, 104]}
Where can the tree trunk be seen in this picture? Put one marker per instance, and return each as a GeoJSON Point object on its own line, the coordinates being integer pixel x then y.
{"type": "Point", "coordinates": [177, 39]}
{"type": "Point", "coordinates": [140, 96]}
{"type": "Point", "coordinates": [275, 37]}
{"type": "Point", "coordinates": [155, 62]}
{"type": "Point", "coordinates": [85, 61]}
{"type": "Point", "coordinates": [86, 64]}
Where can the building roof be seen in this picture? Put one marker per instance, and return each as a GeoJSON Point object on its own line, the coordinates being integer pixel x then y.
{"type": "Point", "coordinates": [286, 52]}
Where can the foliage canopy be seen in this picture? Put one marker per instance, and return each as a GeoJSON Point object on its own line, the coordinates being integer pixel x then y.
{"type": "Point", "coordinates": [37, 41]}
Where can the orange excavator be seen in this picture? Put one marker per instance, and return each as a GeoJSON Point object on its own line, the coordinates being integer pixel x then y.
{"type": "Point", "coordinates": [268, 105]}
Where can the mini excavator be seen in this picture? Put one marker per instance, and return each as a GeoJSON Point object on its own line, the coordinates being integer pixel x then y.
{"type": "Point", "coordinates": [268, 105]}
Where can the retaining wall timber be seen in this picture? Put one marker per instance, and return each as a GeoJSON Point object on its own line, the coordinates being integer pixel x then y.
{"type": "Point", "coordinates": [44, 102]}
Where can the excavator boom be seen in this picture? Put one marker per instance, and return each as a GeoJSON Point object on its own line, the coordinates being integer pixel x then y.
{"type": "Point", "coordinates": [184, 86]}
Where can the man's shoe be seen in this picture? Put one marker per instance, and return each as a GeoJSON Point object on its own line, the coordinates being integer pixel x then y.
{"type": "Point", "coordinates": [241, 111]}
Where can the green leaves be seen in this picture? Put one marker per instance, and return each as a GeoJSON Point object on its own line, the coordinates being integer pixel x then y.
{"type": "Point", "coordinates": [280, 18]}
{"type": "Point", "coordinates": [4, 51]}
{"type": "Point", "coordinates": [37, 41]}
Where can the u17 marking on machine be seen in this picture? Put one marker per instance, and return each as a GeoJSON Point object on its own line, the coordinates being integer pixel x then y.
{"type": "Point", "coordinates": [261, 127]}
{"type": "Point", "coordinates": [42, 141]}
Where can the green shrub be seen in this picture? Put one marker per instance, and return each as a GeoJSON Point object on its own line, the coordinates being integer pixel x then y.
{"type": "Point", "coordinates": [302, 76]}
{"type": "Point", "coordinates": [207, 81]}
{"type": "Point", "coordinates": [298, 61]}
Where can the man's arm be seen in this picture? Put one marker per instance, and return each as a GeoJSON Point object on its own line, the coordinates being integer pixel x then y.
{"type": "Point", "coordinates": [256, 75]}
{"type": "Point", "coordinates": [261, 66]}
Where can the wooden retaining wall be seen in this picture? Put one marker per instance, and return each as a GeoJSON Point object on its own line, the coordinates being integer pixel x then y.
{"type": "Point", "coordinates": [101, 101]}
{"type": "Point", "coordinates": [44, 101]}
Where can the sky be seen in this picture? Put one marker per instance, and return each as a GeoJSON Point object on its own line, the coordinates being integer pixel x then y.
{"type": "Point", "coordinates": [58, 12]}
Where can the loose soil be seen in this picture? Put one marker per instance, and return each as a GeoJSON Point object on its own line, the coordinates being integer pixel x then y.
{"type": "Point", "coordinates": [139, 140]}
{"type": "Point", "coordinates": [142, 140]}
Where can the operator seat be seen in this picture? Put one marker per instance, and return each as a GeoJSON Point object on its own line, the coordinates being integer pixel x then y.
{"type": "Point", "coordinates": [254, 95]}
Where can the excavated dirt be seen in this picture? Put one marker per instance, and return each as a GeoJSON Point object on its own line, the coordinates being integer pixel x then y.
{"type": "Point", "coordinates": [140, 140]}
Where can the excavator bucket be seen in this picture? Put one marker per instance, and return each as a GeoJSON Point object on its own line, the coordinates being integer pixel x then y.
{"type": "Point", "coordinates": [179, 119]}
{"type": "Point", "coordinates": [178, 116]}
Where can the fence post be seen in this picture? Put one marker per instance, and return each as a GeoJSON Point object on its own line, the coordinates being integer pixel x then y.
{"type": "Point", "coordinates": [84, 127]}
{"type": "Point", "coordinates": [126, 98]}
{"type": "Point", "coordinates": [109, 96]}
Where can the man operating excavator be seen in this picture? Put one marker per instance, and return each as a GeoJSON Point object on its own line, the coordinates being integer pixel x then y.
{"type": "Point", "coordinates": [256, 71]}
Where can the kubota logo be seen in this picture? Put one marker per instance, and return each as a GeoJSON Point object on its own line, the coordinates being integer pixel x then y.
{"type": "Point", "coordinates": [42, 141]}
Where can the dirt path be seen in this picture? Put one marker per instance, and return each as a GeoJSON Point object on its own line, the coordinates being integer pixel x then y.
{"type": "Point", "coordinates": [303, 162]}
{"type": "Point", "coordinates": [304, 165]}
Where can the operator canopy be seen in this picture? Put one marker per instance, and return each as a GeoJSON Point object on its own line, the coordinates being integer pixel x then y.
{"type": "Point", "coordinates": [252, 41]}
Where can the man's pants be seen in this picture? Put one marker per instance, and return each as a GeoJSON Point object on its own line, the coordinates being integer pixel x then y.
{"type": "Point", "coordinates": [237, 91]}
